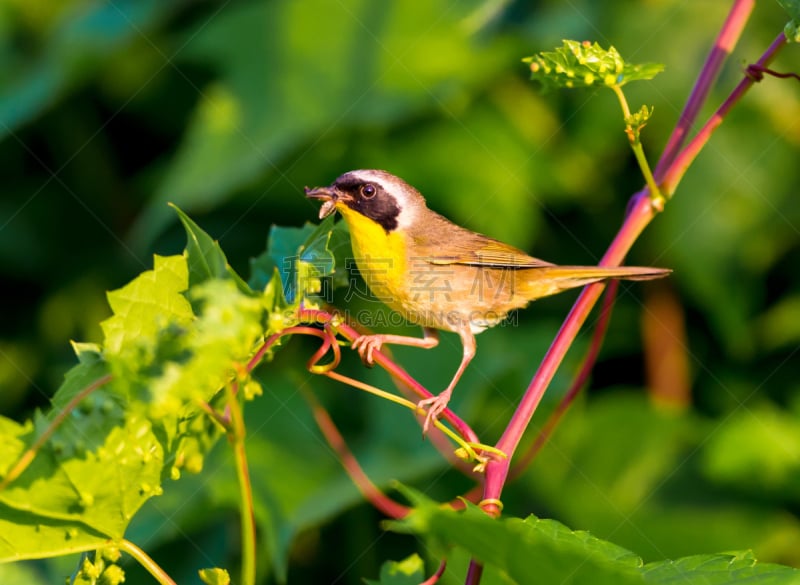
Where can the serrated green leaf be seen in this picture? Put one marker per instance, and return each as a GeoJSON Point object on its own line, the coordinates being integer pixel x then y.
{"type": "Point", "coordinates": [719, 569]}
{"type": "Point", "coordinates": [528, 551]}
{"type": "Point", "coordinates": [546, 551]}
{"type": "Point", "coordinates": [409, 571]}
{"type": "Point", "coordinates": [585, 64]}
{"type": "Point", "coordinates": [204, 256]}
{"type": "Point", "coordinates": [83, 487]}
{"type": "Point", "coordinates": [105, 459]}
{"type": "Point", "coordinates": [303, 256]}
{"type": "Point", "coordinates": [147, 304]}
{"type": "Point", "coordinates": [181, 364]}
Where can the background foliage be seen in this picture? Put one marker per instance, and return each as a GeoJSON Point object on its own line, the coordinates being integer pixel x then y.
{"type": "Point", "coordinates": [108, 110]}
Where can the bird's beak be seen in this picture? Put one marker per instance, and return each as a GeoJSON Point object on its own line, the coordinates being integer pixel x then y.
{"type": "Point", "coordinates": [327, 196]}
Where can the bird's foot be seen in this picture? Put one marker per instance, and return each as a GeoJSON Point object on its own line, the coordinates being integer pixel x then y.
{"type": "Point", "coordinates": [366, 345]}
{"type": "Point", "coordinates": [435, 406]}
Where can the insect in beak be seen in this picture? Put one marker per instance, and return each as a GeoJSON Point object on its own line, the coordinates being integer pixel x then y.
{"type": "Point", "coordinates": [327, 195]}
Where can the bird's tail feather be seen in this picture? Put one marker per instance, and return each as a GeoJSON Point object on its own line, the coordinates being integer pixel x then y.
{"type": "Point", "coordinates": [550, 280]}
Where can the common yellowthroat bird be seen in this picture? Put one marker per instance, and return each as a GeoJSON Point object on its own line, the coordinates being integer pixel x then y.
{"type": "Point", "coordinates": [437, 274]}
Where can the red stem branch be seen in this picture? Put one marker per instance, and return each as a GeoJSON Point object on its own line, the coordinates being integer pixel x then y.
{"type": "Point", "coordinates": [27, 457]}
{"type": "Point", "coordinates": [639, 216]}
{"type": "Point", "coordinates": [368, 489]}
{"type": "Point", "coordinates": [723, 47]}
{"type": "Point", "coordinates": [676, 171]}
{"type": "Point", "coordinates": [315, 316]}
{"type": "Point", "coordinates": [577, 384]}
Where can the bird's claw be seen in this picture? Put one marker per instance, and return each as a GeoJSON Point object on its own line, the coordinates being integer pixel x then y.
{"type": "Point", "coordinates": [436, 405]}
{"type": "Point", "coordinates": [366, 345]}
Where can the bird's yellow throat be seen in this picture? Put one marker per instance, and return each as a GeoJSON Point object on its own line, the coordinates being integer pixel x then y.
{"type": "Point", "coordinates": [380, 256]}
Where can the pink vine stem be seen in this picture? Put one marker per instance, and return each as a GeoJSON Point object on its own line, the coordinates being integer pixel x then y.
{"type": "Point", "coordinates": [669, 171]}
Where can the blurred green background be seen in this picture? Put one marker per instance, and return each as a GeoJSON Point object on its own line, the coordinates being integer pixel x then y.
{"type": "Point", "coordinates": [688, 440]}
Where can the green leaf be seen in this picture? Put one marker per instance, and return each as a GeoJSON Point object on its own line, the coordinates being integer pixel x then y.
{"type": "Point", "coordinates": [792, 28]}
{"type": "Point", "coordinates": [84, 486]}
{"type": "Point", "coordinates": [146, 305]}
{"type": "Point", "coordinates": [529, 551]}
{"type": "Point", "coordinates": [719, 569]}
{"type": "Point", "coordinates": [215, 576]}
{"type": "Point", "coordinates": [585, 64]}
{"type": "Point", "coordinates": [545, 551]}
{"type": "Point", "coordinates": [303, 257]}
{"type": "Point", "coordinates": [634, 484]}
{"type": "Point", "coordinates": [204, 256]}
{"type": "Point", "coordinates": [181, 364]}
{"type": "Point", "coordinates": [409, 571]}
{"type": "Point", "coordinates": [637, 120]}
{"type": "Point", "coordinates": [792, 7]}
{"type": "Point", "coordinates": [281, 254]}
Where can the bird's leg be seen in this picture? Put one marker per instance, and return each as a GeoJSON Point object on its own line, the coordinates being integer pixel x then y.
{"type": "Point", "coordinates": [367, 344]}
{"type": "Point", "coordinates": [437, 404]}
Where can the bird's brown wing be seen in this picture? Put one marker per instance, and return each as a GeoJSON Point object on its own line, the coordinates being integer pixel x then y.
{"type": "Point", "coordinates": [452, 244]}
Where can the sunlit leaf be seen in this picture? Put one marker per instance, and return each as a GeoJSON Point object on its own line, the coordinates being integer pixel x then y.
{"type": "Point", "coordinates": [215, 576]}
{"type": "Point", "coordinates": [147, 304]}
{"type": "Point", "coordinates": [585, 64]}
{"type": "Point", "coordinates": [409, 571]}
{"type": "Point", "coordinates": [84, 486]}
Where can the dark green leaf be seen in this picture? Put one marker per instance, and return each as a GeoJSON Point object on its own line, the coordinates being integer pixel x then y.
{"type": "Point", "coordinates": [303, 257]}
{"type": "Point", "coordinates": [528, 551]}
{"type": "Point", "coordinates": [205, 258]}
{"type": "Point", "coordinates": [546, 551]}
{"type": "Point", "coordinates": [792, 7]}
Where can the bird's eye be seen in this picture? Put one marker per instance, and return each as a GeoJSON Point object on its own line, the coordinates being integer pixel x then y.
{"type": "Point", "coordinates": [368, 191]}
